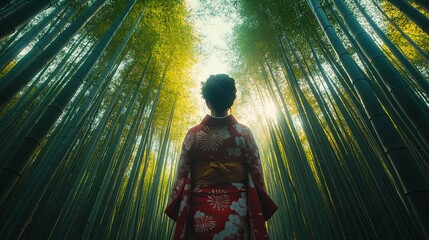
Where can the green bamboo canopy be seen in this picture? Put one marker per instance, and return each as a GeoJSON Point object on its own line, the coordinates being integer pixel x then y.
{"type": "Point", "coordinates": [96, 96]}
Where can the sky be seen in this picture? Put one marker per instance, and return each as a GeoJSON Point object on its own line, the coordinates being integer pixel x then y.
{"type": "Point", "coordinates": [214, 32]}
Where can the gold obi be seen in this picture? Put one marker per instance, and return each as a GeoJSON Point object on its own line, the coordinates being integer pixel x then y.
{"type": "Point", "coordinates": [206, 172]}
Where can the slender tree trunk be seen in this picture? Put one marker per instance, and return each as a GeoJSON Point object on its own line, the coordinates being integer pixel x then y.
{"type": "Point", "coordinates": [298, 163]}
{"type": "Point", "coordinates": [99, 154]}
{"type": "Point", "coordinates": [12, 7]}
{"type": "Point", "coordinates": [36, 50]}
{"type": "Point", "coordinates": [33, 110]}
{"type": "Point", "coordinates": [117, 182]}
{"type": "Point", "coordinates": [97, 191]}
{"type": "Point", "coordinates": [29, 36]}
{"type": "Point", "coordinates": [155, 193]}
{"type": "Point", "coordinates": [69, 188]}
{"type": "Point", "coordinates": [416, 111]}
{"type": "Point", "coordinates": [414, 184]}
{"type": "Point", "coordinates": [28, 100]}
{"type": "Point", "coordinates": [412, 13]}
{"type": "Point", "coordinates": [19, 17]}
{"type": "Point", "coordinates": [6, 44]}
{"type": "Point", "coordinates": [397, 53]}
{"type": "Point", "coordinates": [148, 137]}
{"type": "Point", "coordinates": [122, 209]}
{"type": "Point", "coordinates": [61, 147]}
{"type": "Point", "coordinates": [4, 3]}
{"type": "Point", "coordinates": [16, 83]}
{"type": "Point", "coordinates": [19, 159]}
{"type": "Point", "coordinates": [422, 3]}
{"type": "Point", "coordinates": [422, 53]}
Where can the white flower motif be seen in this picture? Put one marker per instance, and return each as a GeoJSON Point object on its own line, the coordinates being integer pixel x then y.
{"type": "Point", "coordinates": [240, 206]}
{"type": "Point", "coordinates": [218, 199]}
{"type": "Point", "coordinates": [203, 223]}
{"type": "Point", "coordinates": [234, 152]}
{"type": "Point", "coordinates": [183, 204]}
{"type": "Point", "coordinates": [242, 201]}
{"type": "Point", "coordinates": [198, 214]}
{"type": "Point", "coordinates": [219, 236]}
{"type": "Point", "coordinates": [234, 219]}
{"type": "Point", "coordinates": [210, 138]}
{"type": "Point", "coordinates": [179, 183]}
{"type": "Point", "coordinates": [256, 153]}
{"type": "Point", "coordinates": [251, 183]}
{"type": "Point", "coordinates": [240, 141]}
{"type": "Point", "coordinates": [239, 128]}
{"type": "Point", "coordinates": [244, 195]}
{"type": "Point", "coordinates": [231, 229]}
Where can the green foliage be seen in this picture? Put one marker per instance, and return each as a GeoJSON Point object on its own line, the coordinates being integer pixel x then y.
{"type": "Point", "coordinates": [106, 136]}
{"type": "Point", "coordinates": [7, 68]}
{"type": "Point", "coordinates": [165, 34]}
{"type": "Point", "coordinates": [318, 133]}
{"type": "Point", "coordinates": [319, 154]}
{"type": "Point", "coordinates": [410, 29]}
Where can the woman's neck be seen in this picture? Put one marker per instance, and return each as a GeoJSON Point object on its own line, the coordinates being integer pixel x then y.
{"type": "Point", "coordinates": [219, 114]}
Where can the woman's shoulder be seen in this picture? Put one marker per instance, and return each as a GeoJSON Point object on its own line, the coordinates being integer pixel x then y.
{"type": "Point", "coordinates": [195, 128]}
{"type": "Point", "coordinates": [242, 129]}
{"type": "Point", "coordinates": [239, 127]}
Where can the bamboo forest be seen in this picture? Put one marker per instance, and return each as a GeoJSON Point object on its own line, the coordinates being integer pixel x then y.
{"type": "Point", "coordinates": [96, 97]}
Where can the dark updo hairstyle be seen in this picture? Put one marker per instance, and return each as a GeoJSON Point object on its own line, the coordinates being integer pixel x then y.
{"type": "Point", "coordinates": [219, 90]}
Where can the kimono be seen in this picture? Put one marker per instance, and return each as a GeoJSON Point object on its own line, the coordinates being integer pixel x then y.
{"type": "Point", "coordinates": [219, 192]}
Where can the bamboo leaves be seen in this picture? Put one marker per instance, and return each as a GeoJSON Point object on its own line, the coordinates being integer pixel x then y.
{"type": "Point", "coordinates": [98, 125]}
{"type": "Point", "coordinates": [341, 145]}
{"type": "Point", "coordinates": [95, 131]}
{"type": "Point", "coordinates": [16, 81]}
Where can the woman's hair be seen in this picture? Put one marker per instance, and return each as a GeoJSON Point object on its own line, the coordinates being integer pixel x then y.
{"type": "Point", "coordinates": [219, 90]}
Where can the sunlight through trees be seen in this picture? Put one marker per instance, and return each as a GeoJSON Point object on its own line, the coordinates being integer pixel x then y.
{"type": "Point", "coordinates": [96, 96]}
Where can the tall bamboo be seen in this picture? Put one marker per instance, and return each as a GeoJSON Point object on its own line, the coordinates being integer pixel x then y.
{"type": "Point", "coordinates": [19, 17]}
{"type": "Point", "coordinates": [412, 13]}
{"type": "Point", "coordinates": [19, 159]}
{"type": "Point", "coordinates": [414, 184]}
{"type": "Point", "coordinates": [401, 121]}
{"type": "Point", "coordinates": [397, 53]}
{"type": "Point", "coordinates": [414, 110]}
{"type": "Point", "coordinates": [29, 36]}
{"type": "Point", "coordinates": [28, 100]}
{"type": "Point", "coordinates": [70, 187]}
{"type": "Point", "coordinates": [423, 3]}
{"type": "Point", "coordinates": [422, 53]}
{"type": "Point", "coordinates": [38, 48]}
{"type": "Point", "coordinates": [16, 83]}
{"type": "Point", "coordinates": [63, 144]}
{"type": "Point", "coordinates": [4, 3]}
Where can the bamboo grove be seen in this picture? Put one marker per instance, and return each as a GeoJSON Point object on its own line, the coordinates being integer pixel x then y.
{"type": "Point", "coordinates": [95, 98]}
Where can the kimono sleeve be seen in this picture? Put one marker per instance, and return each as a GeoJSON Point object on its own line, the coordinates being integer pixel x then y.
{"type": "Point", "coordinates": [183, 169]}
{"type": "Point", "coordinates": [266, 204]}
{"type": "Point", "coordinates": [255, 161]}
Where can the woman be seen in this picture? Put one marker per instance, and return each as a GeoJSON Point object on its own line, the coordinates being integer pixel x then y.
{"type": "Point", "coordinates": [219, 192]}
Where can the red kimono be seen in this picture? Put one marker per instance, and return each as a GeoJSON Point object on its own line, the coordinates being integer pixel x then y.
{"type": "Point", "coordinates": [219, 192]}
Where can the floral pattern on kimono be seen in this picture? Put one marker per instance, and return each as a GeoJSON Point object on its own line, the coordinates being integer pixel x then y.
{"type": "Point", "coordinates": [220, 140]}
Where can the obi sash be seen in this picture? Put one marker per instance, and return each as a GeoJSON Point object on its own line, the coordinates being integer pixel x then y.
{"type": "Point", "coordinates": [212, 172]}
